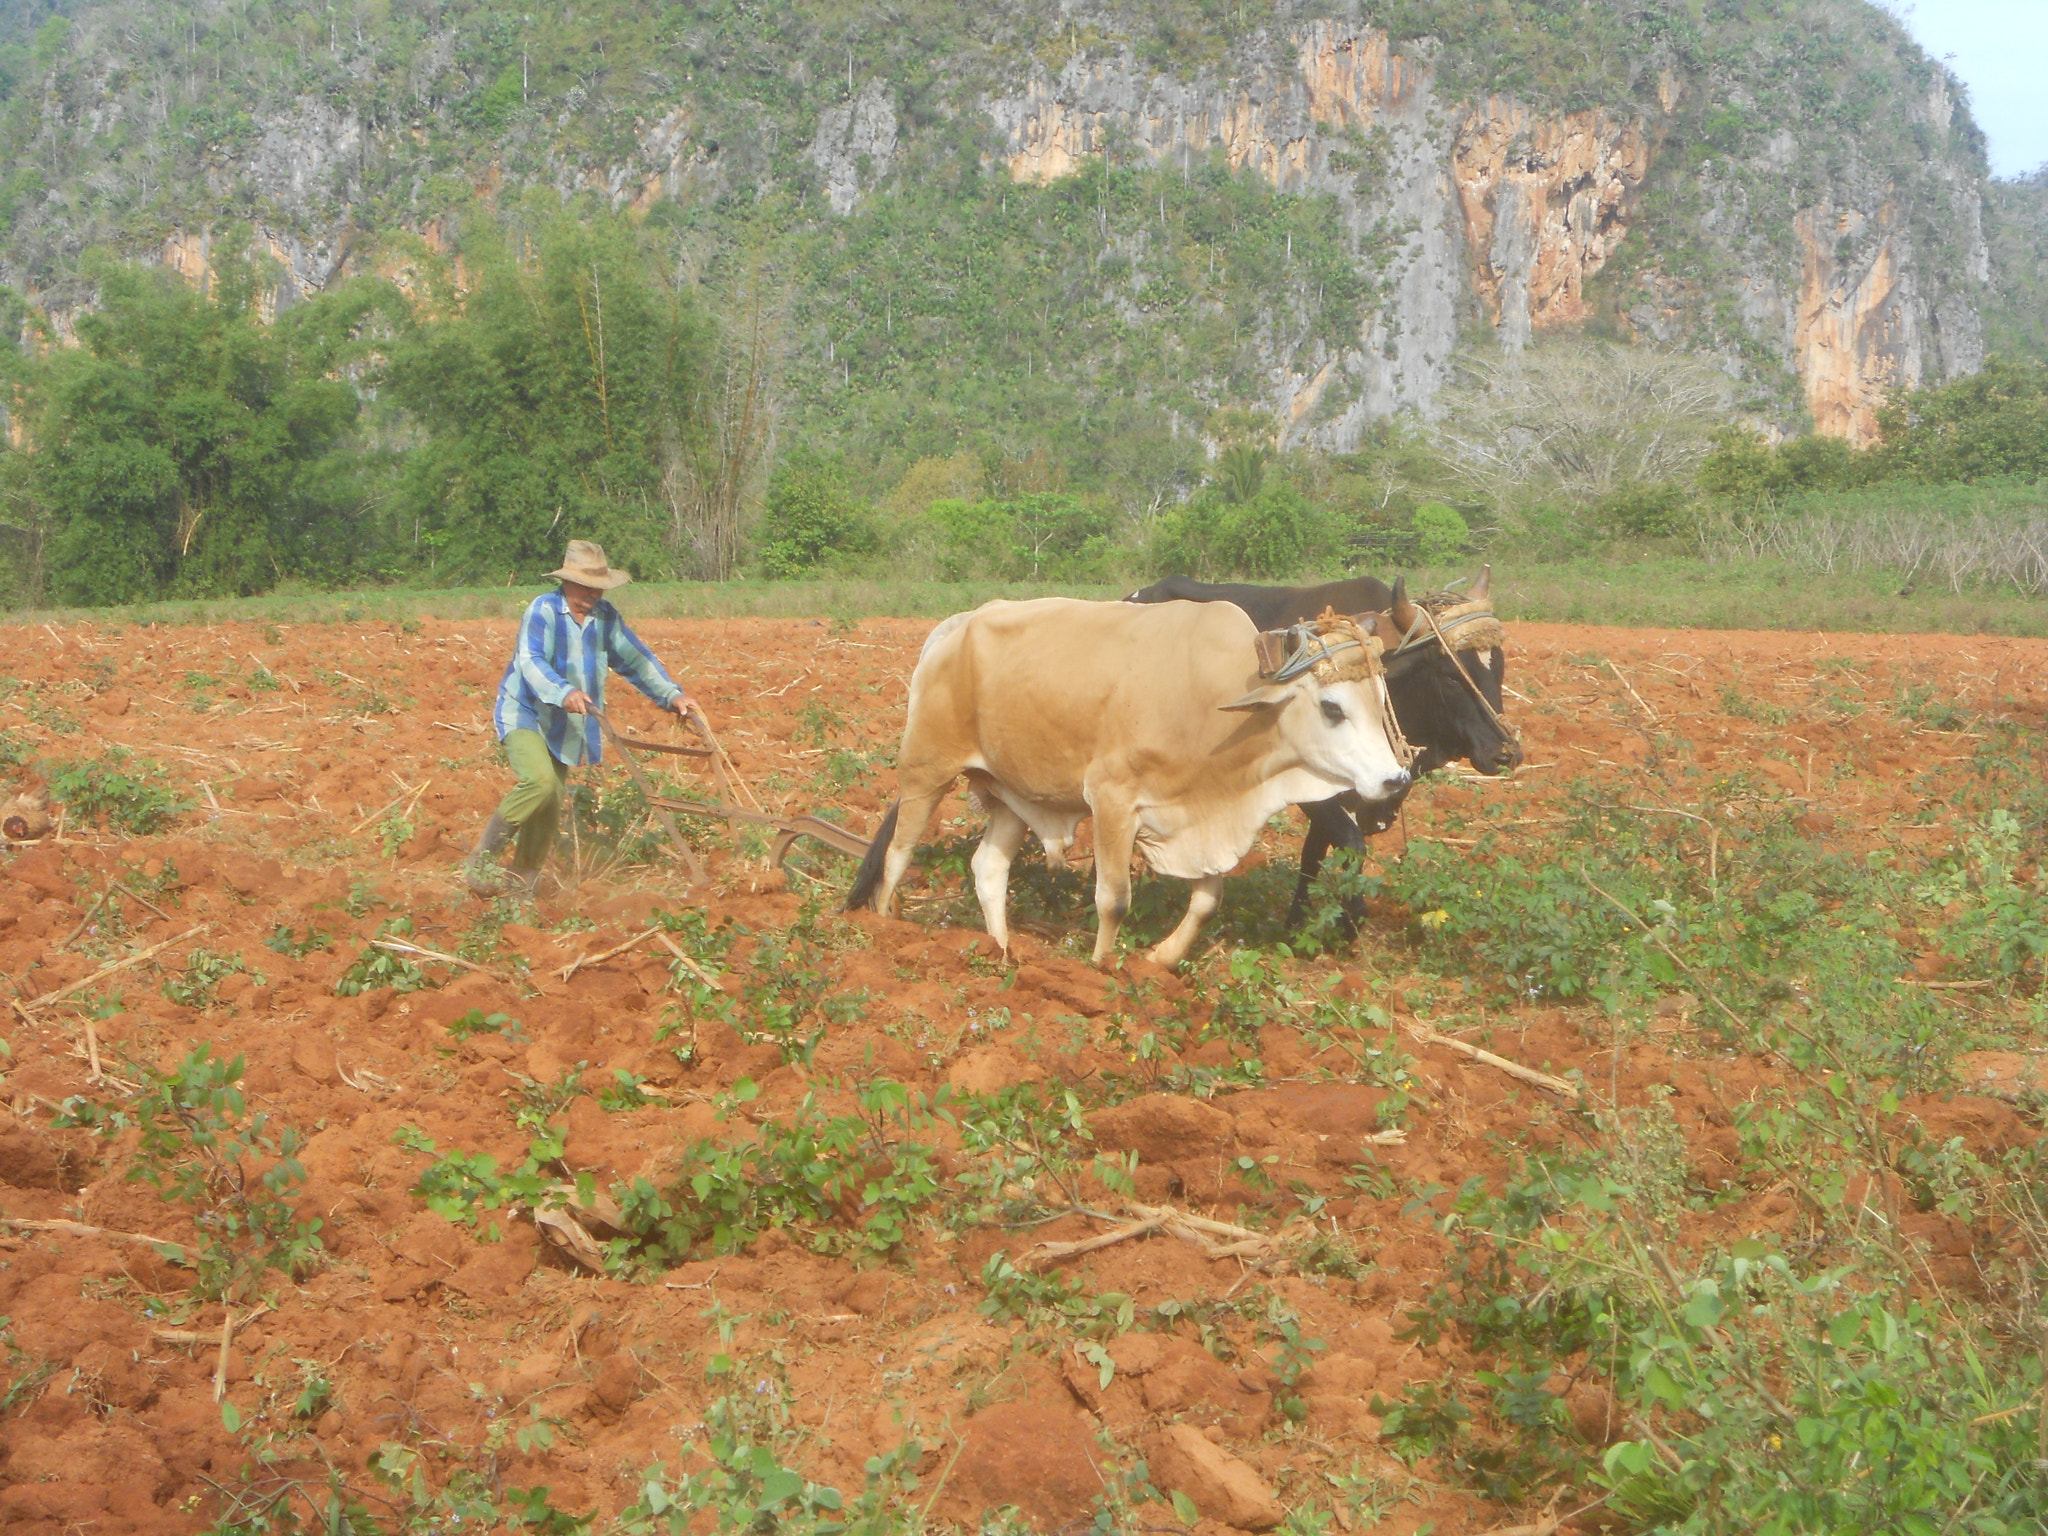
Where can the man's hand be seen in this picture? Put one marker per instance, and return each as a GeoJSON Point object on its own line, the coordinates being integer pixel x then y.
{"type": "Point", "coordinates": [682, 704]}
{"type": "Point", "coordinates": [578, 702]}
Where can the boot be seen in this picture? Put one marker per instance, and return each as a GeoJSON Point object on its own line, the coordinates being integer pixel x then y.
{"type": "Point", "coordinates": [485, 878]}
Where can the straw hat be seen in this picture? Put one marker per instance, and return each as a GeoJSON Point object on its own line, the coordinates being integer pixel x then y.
{"type": "Point", "coordinates": [585, 565]}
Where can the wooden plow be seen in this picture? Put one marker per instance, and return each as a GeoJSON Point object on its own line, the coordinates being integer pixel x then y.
{"type": "Point", "coordinates": [787, 829]}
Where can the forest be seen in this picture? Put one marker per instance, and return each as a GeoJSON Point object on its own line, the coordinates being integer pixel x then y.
{"type": "Point", "coordinates": [297, 300]}
{"type": "Point", "coordinates": [193, 445]}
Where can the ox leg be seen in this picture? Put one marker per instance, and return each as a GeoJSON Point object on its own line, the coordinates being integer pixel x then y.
{"type": "Point", "coordinates": [1115, 833]}
{"type": "Point", "coordinates": [912, 812]}
{"type": "Point", "coordinates": [1202, 901]}
{"type": "Point", "coordinates": [1329, 826]}
{"type": "Point", "coordinates": [991, 865]}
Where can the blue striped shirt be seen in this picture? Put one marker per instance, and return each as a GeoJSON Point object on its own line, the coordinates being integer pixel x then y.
{"type": "Point", "coordinates": [554, 657]}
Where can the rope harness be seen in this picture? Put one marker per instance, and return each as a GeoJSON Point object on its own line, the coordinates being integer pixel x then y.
{"type": "Point", "coordinates": [1324, 648]}
{"type": "Point", "coordinates": [1486, 634]}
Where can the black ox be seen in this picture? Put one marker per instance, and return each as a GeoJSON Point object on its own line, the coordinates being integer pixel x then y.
{"type": "Point", "coordinates": [1433, 700]}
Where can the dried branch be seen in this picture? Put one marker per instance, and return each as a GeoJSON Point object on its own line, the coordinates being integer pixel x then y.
{"type": "Point", "coordinates": [110, 968]}
{"type": "Point", "coordinates": [1424, 1035]}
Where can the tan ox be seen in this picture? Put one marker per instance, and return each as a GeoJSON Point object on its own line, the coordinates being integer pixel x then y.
{"type": "Point", "coordinates": [1154, 719]}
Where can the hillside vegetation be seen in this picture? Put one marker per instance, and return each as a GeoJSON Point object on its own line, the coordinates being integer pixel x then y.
{"type": "Point", "coordinates": [744, 288]}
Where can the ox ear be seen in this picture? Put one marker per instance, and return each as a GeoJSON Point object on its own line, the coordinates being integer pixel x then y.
{"type": "Point", "coordinates": [1405, 613]}
{"type": "Point", "coordinates": [1481, 583]}
{"type": "Point", "coordinates": [1267, 697]}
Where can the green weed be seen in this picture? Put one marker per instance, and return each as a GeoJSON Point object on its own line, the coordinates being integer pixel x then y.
{"type": "Point", "coordinates": [283, 941]}
{"type": "Point", "coordinates": [199, 1144]}
{"type": "Point", "coordinates": [26, 1373]}
{"type": "Point", "coordinates": [393, 833]}
{"type": "Point", "coordinates": [204, 971]}
{"type": "Point", "coordinates": [117, 790]}
{"type": "Point", "coordinates": [462, 1186]}
{"type": "Point", "coordinates": [477, 1022]}
{"type": "Point", "coordinates": [745, 1488]}
{"type": "Point", "coordinates": [1057, 1301]}
{"type": "Point", "coordinates": [373, 967]}
{"type": "Point", "coordinates": [841, 1183]}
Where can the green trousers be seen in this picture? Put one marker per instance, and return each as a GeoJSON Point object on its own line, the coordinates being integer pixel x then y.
{"type": "Point", "coordinates": [534, 805]}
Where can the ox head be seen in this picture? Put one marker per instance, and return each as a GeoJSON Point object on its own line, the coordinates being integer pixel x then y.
{"type": "Point", "coordinates": [1326, 697]}
{"type": "Point", "coordinates": [1438, 674]}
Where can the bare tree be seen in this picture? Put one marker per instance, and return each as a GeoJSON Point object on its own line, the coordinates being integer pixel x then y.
{"type": "Point", "coordinates": [712, 477]}
{"type": "Point", "coordinates": [1579, 419]}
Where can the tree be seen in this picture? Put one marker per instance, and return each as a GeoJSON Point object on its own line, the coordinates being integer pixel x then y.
{"type": "Point", "coordinates": [1579, 420]}
{"type": "Point", "coordinates": [808, 518]}
{"type": "Point", "coordinates": [1240, 471]}
{"type": "Point", "coordinates": [551, 400]}
{"type": "Point", "coordinates": [1990, 426]}
{"type": "Point", "coordinates": [713, 465]}
{"type": "Point", "coordinates": [186, 449]}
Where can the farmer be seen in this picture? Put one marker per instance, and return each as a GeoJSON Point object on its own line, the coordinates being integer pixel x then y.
{"type": "Point", "coordinates": [567, 640]}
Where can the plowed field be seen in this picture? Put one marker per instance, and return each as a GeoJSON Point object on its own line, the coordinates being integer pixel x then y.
{"type": "Point", "coordinates": [332, 776]}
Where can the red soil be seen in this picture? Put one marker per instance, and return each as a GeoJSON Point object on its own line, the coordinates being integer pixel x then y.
{"type": "Point", "coordinates": [432, 1337]}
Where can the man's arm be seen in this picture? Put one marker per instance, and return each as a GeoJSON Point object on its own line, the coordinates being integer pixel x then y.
{"type": "Point", "coordinates": [548, 685]}
{"type": "Point", "coordinates": [633, 661]}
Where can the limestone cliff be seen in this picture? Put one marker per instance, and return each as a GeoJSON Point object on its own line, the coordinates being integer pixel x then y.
{"type": "Point", "coordinates": [1491, 204]}
{"type": "Point", "coordinates": [1713, 200]}
{"type": "Point", "coordinates": [1298, 118]}
{"type": "Point", "coordinates": [1496, 205]}
{"type": "Point", "coordinates": [1864, 326]}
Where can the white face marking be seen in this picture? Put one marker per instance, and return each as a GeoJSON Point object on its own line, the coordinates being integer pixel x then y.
{"type": "Point", "coordinates": [1357, 750]}
{"type": "Point", "coordinates": [1486, 658]}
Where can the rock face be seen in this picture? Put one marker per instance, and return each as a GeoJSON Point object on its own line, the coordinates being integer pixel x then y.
{"type": "Point", "coordinates": [856, 143]}
{"type": "Point", "coordinates": [1689, 211]}
{"type": "Point", "coordinates": [1545, 203]}
{"type": "Point", "coordinates": [1297, 116]}
{"type": "Point", "coordinates": [1865, 328]}
{"type": "Point", "coordinates": [1494, 206]}
{"type": "Point", "coordinates": [306, 265]}
{"type": "Point", "coordinates": [307, 156]}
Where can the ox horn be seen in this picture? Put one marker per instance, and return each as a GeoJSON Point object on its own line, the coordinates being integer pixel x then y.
{"type": "Point", "coordinates": [1266, 697]}
{"type": "Point", "coordinates": [1405, 613]}
{"type": "Point", "coordinates": [1480, 583]}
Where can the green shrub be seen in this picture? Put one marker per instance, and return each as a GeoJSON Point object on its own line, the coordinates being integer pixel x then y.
{"type": "Point", "coordinates": [1276, 534]}
{"type": "Point", "coordinates": [1047, 535]}
{"type": "Point", "coordinates": [808, 519]}
{"type": "Point", "coordinates": [1643, 511]}
{"type": "Point", "coordinates": [1441, 533]}
{"type": "Point", "coordinates": [116, 789]}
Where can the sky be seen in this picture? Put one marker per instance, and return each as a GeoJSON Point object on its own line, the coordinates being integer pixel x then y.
{"type": "Point", "coordinates": [2000, 50]}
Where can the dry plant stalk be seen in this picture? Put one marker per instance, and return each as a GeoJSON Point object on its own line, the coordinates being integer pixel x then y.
{"type": "Point", "coordinates": [400, 947]}
{"type": "Point", "coordinates": [712, 477]}
{"type": "Point", "coordinates": [1424, 1035]}
{"type": "Point", "coordinates": [1237, 1242]}
{"type": "Point", "coordinates": [63, 1228]}
{"type": "Point", "coordinates": [108, 969]}
{"type": "Point", "coordinates": [614, 952]}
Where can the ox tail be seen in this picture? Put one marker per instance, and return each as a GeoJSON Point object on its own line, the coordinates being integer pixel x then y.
{"type": "Point", "coordinates": [870, 873]}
